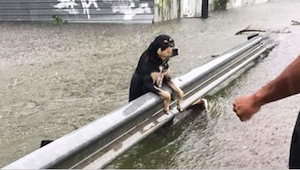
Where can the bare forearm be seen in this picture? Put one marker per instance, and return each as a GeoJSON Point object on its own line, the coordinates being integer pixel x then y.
{"type": "Point", "coordinates": [286, 84]}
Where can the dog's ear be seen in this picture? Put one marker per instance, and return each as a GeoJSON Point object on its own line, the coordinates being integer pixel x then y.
{"type": "Point", "coordinates": [152, 49]}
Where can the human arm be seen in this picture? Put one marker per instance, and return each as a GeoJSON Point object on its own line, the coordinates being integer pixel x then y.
{"type": "Point", "coordinates": [286, 84]}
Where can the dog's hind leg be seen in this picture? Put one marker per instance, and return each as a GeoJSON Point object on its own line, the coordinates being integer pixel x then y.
{"type": "Point", "coordinates": [167, 99]}
{"type": "Point", "coordinates": [148, 83]}
{"type": "Point", "coordinates": [168, 80]}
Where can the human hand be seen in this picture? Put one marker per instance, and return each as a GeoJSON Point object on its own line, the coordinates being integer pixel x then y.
{"type": "Point", "coordinates": [245, 107]}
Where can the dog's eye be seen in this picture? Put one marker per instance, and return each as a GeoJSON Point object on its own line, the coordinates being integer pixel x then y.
{"type": "Point", "coordinates": [166, 41]}
{"type": "Point", "coordinates": [171, 41]}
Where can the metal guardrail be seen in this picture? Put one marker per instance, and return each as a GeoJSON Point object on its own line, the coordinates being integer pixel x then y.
{"type": "Point", "coordinates": [98, 143]}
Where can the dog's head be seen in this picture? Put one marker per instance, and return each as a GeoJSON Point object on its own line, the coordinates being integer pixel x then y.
{"type": "Point", "coordinates": [163, 47]}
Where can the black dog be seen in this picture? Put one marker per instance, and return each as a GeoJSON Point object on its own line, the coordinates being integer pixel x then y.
{"type": "Point", "coordinates": [153, 70]}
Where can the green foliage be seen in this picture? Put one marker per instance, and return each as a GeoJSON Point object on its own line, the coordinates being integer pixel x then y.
{"type": "Point", "coordinates": [163, 6]}
{"type": "Point", "coordinates": [179, 8]}
{"type": "Point", "coordinates": [220, 4]}
{"type": "Point", "coordinates": [57, 20]}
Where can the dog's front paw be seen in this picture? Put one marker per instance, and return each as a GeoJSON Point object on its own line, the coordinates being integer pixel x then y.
{"type": "Point", "coordinates": [167, 110]}
{"type": "Point", "coordinates": [180, 100]}
{"type": "Point", "coordinates": [179, 108]}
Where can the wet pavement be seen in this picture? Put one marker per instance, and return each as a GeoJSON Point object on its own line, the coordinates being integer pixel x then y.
{"type": "Point", "coordinates": [55, 79]}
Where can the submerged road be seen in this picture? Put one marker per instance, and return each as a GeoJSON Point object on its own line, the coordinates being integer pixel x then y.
{"type": "Point", "coordinates": [56, 79]}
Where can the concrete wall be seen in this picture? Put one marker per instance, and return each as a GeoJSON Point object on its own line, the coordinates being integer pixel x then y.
{"type": "Point", "coordinates": [192, 8]}
{"type": "Point", "coordinates": [78, 10]}
{"type": "Point", "coordinates": [240, 3]}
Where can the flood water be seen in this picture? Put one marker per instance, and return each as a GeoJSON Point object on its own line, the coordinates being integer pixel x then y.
{"type": "Point", "coordinates": [55, 79]}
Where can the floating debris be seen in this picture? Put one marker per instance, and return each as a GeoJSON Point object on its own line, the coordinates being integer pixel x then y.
{"type": "Point", "coordinates": [250, 28]}
{"type": "Point", "coordinates": [295, 22]}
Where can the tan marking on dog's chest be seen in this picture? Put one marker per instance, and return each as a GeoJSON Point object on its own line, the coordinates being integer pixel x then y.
{"type": "Point", "coordinates": [158, 77]}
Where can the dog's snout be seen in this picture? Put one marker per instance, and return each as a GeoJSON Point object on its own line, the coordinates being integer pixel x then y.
{"type": "Point", "coordinates": [174, 52]}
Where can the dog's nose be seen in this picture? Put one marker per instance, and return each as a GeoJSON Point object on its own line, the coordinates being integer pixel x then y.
{"type": "Point", "coordinates": [174, 52]}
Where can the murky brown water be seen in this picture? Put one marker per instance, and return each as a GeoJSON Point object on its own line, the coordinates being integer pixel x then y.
{"type": "Point", "coordinates": [56, 79]}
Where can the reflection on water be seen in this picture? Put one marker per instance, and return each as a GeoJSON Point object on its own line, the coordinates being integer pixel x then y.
{"type": "Point", "coordinates": [171, 143]}
{"type": "Point", "coordinates": [159, 149]}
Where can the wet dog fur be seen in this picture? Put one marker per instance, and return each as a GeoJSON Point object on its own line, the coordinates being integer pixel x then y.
{"type": "Point", "coordinates": [153, 70]}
